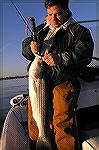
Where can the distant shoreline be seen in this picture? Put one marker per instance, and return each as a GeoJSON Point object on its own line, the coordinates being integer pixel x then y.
{"type": "Point", "coordinates": [15, 77]}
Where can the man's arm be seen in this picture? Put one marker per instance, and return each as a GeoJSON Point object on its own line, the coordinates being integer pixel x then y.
{"type": "Point", "coordinates": [83, 46]}
{"type": "Point", "coordinates": [26, 49]}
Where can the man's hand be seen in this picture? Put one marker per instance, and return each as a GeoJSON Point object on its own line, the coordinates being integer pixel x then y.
{"type": "Point", "coordinates": [51, 59]}
{"type": "Point", "coordinates": [34, 47]}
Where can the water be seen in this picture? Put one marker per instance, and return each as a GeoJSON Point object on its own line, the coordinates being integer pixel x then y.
{"type": "Point", "coordinates": [8, 89]}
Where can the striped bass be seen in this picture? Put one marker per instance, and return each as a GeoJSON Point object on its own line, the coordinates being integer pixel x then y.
{"type": "Point", "coordinates": [39, 102]}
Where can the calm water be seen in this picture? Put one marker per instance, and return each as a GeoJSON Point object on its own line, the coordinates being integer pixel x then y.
{"type": "Point", "coordinates": [8, 89]}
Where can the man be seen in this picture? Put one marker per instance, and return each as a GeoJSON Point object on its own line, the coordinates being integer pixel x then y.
{"type": "Point", "coordinates": [66, 47]}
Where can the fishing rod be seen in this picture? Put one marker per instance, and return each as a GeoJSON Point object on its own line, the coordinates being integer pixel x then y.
{"type": "Point", "coordinates": [33, 25]}
{"type": "Point", "coordinates": [20, 14]}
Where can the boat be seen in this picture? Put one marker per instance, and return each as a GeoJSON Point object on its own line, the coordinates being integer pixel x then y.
{"type": "Point", "coordinates": [15, 129]}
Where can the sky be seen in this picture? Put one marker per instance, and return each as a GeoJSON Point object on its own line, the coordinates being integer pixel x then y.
{"type": "Point", "coordinates": [12, 29]}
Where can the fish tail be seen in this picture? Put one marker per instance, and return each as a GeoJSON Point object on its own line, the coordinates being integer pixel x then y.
{"type": "Point", "coordinates": [43, 144]}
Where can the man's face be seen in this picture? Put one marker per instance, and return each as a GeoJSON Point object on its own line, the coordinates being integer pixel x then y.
{"type": "Point", "coordinates": [56, 16]}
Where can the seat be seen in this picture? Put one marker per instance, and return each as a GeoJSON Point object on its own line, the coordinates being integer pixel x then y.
{"type": "Point", "coordinates": [88, 123]}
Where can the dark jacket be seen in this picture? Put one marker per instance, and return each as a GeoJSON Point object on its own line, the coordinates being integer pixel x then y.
{"type": "Point", "coordinates": [75, 46]}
